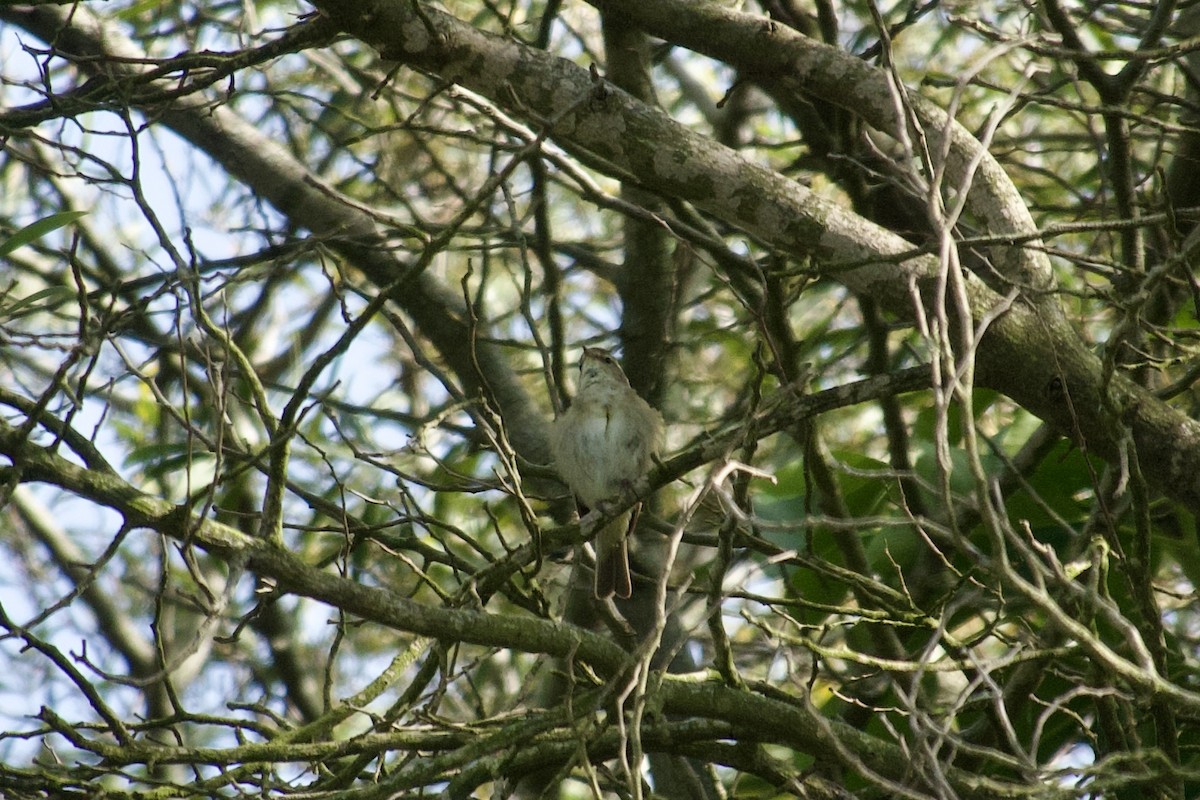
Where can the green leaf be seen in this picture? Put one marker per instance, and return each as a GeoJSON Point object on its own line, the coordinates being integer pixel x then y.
{"type": "Point", "coordinates": [37, 230]}
{"type": "Point", "coordinates": [52, 296]}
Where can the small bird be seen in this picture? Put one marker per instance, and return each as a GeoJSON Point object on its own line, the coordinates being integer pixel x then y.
{"type": "Point", "coordinates": [606, 440]}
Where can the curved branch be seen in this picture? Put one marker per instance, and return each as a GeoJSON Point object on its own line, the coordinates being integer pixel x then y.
{"type": "Point", "coordinates": [780, 56]}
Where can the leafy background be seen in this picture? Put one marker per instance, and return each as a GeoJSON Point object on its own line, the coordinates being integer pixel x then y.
{"type": "Point", "coordinates": [291, 294]}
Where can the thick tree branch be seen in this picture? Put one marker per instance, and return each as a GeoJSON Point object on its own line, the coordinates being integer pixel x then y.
{"type": "Point", "coordinates": [1028, 350]}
